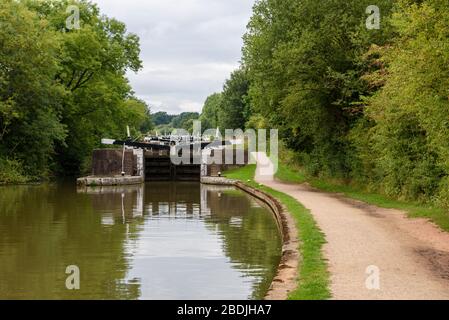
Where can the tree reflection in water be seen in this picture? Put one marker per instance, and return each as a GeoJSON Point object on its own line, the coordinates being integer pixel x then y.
{"type": "Point", "coordinates": [161, 240]}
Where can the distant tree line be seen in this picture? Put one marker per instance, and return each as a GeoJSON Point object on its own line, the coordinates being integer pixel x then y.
{"type": "Point", "coordinates": [358, 104]}
{"type": "Point", "coordinates": [165, 123]}
{"type": "Point", "coordinates": [61, 88]}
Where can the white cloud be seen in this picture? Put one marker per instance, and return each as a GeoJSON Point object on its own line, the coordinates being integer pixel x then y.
{"type": "Point", "coordinates": [189, 47]}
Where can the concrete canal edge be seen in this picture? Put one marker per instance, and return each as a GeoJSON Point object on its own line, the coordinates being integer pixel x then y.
{"type": "Point", "coordinates": [109, 181]}
{"type": "Point", "coordinates": [286, 277]}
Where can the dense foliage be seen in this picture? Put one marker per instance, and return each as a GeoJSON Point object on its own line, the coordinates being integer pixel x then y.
{"type": "Point", "coordinates": [354, 103]}
{"type": "Point", "coordinates": [62, 89]}
{"type": "Point", "coordinates": [403, 142]}
{"type": "Point", "coordinates": [304, 60]}
{"type": "Point", "coordinates": [162, 118]}
{"type": "Point", "coordinates": [210, 115]}
{"type": "Point", "coordinates": [231, 108]}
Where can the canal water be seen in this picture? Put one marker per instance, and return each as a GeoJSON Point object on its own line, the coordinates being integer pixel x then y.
{"type": "Point", "coordinates": [157, 241]}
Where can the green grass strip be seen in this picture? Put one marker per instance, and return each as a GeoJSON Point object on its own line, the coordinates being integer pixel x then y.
{"type": "Point", "coordinates": [313, 281]}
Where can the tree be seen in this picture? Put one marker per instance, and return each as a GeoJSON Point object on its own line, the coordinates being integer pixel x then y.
{"type": "Point", "coordinates": [162, 118]}
{"type": "Point", "coordinates": [136, 114]}
{"type": "Point", "coordinates": [93, 62]}
{"type": "Point", "coordinates": [63, 89]}
{"type": "Point", "coordinates": [303, 60]}
{"type": "Point", "coordinates": [403, 142]}
{"type": "Point", "coordinates": [185, 121]}
{"type": "Point", "coordinates": [234, 111]}
{"type": "Point", "coordinates": [30, 98]}
{"type": "Point", "coordinates": [210, 114]}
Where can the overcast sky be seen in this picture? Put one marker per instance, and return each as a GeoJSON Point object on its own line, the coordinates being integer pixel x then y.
{"type": "Point", "coordinates": [189, 47]}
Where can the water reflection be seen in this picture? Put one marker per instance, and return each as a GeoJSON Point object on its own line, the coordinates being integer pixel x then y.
{"type": "Point", "coordinates": [158, 241]}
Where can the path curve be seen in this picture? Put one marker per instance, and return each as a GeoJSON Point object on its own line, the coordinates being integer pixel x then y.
{"type": "Point", "coordinates": [412, 255]}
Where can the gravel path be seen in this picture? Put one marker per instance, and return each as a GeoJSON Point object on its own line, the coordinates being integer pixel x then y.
{"type": "Point", "coordinates": [410, 255]}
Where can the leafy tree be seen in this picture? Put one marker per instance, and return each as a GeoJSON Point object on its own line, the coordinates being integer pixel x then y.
{"type": "Point", "coordinates": [161, 118]}
{"type": "Point", "coordinates": [136, 115]}
{"type": "Point", "coordinates": [62, 90]}
{"type": "Point", "coordinates": [211, 111]}
{"type": "Point", "coordinates": [234, 111]}
{"type": "Point", "coordinates": [93, 63]}
{"type": "Point", "coordinates": [352, 103]}
{"type": "Point", "coordinates": [30, 98]}
{"type": "Point", "coordinates": [403, 142]}
{"type": "Point", "coordinates": [304, 65]}
{"type": "Point", "coordinates": [185, 121]}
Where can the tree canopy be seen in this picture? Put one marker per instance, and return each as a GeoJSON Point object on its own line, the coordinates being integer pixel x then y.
{"type": "Point", "coordinates": [210, 115]}
{"type": "Point", "coordinates": [368, 105]}
{"type": "Point", "coordinates": [63, 89]}
{"type": "Point", "coordinates": [229, 109]}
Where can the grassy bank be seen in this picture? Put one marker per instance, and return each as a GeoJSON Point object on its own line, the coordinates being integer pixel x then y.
{"type": "Point", "coordinates": [313, 282]}
{"type": "Point", "coordinates": [439, 216]}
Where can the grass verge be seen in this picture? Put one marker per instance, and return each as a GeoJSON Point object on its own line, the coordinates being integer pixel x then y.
{"type": "Point", "coordinates": [413, 209]}
{"type": "Point", "coordinates": [288, 174]}
{"type": "Point", "coordinates": [313, 281]}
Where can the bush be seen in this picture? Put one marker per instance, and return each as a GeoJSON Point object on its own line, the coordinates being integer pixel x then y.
{"type": "Point", "coordinates": [402, 143]}
{"type": "Point", "coordinates": [11, 172]}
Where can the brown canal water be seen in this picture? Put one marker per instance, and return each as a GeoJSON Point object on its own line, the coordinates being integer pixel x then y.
{"type": "Point", "coordinates": [157, 241]}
